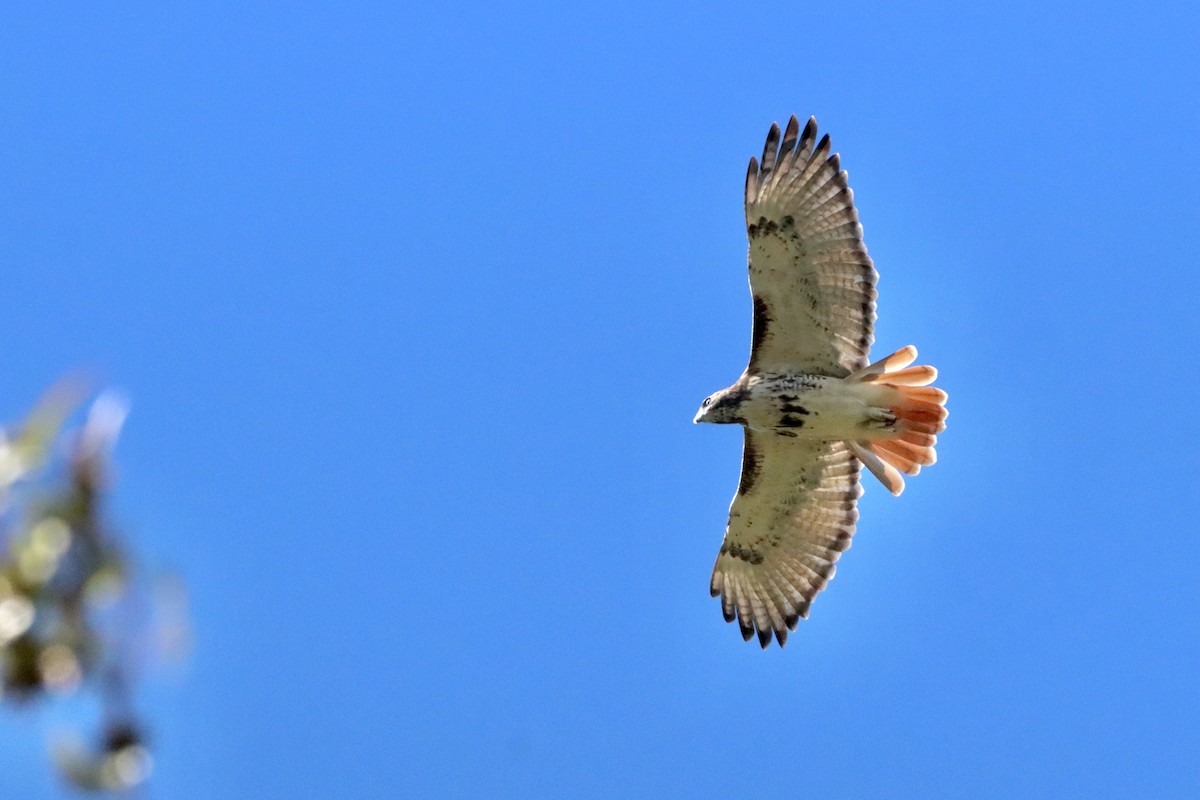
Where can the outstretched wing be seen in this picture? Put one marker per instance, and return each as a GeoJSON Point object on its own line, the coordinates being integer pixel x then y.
{"type": "Point", "coordinates": [812, 280]}
{"type": "Point", "coordinates": [793, 515]}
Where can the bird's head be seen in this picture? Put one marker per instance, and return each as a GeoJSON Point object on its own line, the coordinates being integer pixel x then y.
{"type": "Point", "coordinates": [721, 407]}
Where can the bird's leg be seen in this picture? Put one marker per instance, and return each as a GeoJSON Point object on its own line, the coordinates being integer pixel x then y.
{"type": "Point", "coordinates": [879, 419]}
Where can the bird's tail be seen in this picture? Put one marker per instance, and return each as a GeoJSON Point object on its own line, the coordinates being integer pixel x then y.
{"type": "Point", "coordinates": [920, 415]}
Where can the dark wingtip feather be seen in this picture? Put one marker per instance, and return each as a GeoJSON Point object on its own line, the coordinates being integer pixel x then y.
{"type": "Point", "coordinates": [764, 638]}
{"type": "Point", "coordinates": [746, 626]}
{"type": "Point", "coordinates": [822, 146]}
{"type": "Point", "coordinates": [806, 138]}
{"type": "Point", "coordinates": [790, 135]}
{"type": "Point", "coordinates": [771, 148]}
{"type": "Point", "coordinates": [781, 636]}
{"type": "Point", "coordinates": [751, 180]}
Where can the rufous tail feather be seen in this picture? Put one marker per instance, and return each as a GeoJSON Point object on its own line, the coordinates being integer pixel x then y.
{"type": "Point", "coordinates": [920, 414]}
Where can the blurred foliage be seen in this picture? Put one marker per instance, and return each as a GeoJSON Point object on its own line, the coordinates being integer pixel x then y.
{"type": "Point", "coordinates": [69, 593]}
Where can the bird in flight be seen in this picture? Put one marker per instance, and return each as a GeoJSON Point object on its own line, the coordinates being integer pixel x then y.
{"type": "Point", "coordinates": [813, 410]}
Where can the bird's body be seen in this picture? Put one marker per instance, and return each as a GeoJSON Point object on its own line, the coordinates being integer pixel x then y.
{"type": "Point", "coordinates": [812, 409]}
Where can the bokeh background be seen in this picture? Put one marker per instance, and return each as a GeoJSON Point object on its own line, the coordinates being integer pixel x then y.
{"type": "Point", "coordinates": [415, 303]}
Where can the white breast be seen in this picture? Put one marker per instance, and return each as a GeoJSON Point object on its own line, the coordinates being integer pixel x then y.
{"type": "Point", "coordinates": [814, 407]}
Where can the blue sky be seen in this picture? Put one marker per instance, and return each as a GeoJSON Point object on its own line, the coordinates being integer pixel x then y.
{"type": "Point", "coordinates": [415, 304]}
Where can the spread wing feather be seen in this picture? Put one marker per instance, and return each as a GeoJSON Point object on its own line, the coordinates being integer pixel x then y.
{"type": "Point", "coordinates": [812, 280]}
{"type": "Point", "coordinates": [793, 515]}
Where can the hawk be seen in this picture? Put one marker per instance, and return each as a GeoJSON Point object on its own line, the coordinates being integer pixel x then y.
{"type": "Point", "coordinates": [813, 410]}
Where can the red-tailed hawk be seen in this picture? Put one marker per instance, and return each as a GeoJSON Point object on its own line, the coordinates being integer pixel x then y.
{"type": "Point", "coordinates": [812, 409]}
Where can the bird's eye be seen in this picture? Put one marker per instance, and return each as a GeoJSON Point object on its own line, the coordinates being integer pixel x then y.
{"type": "Point", "coordinates": [707, 402]}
